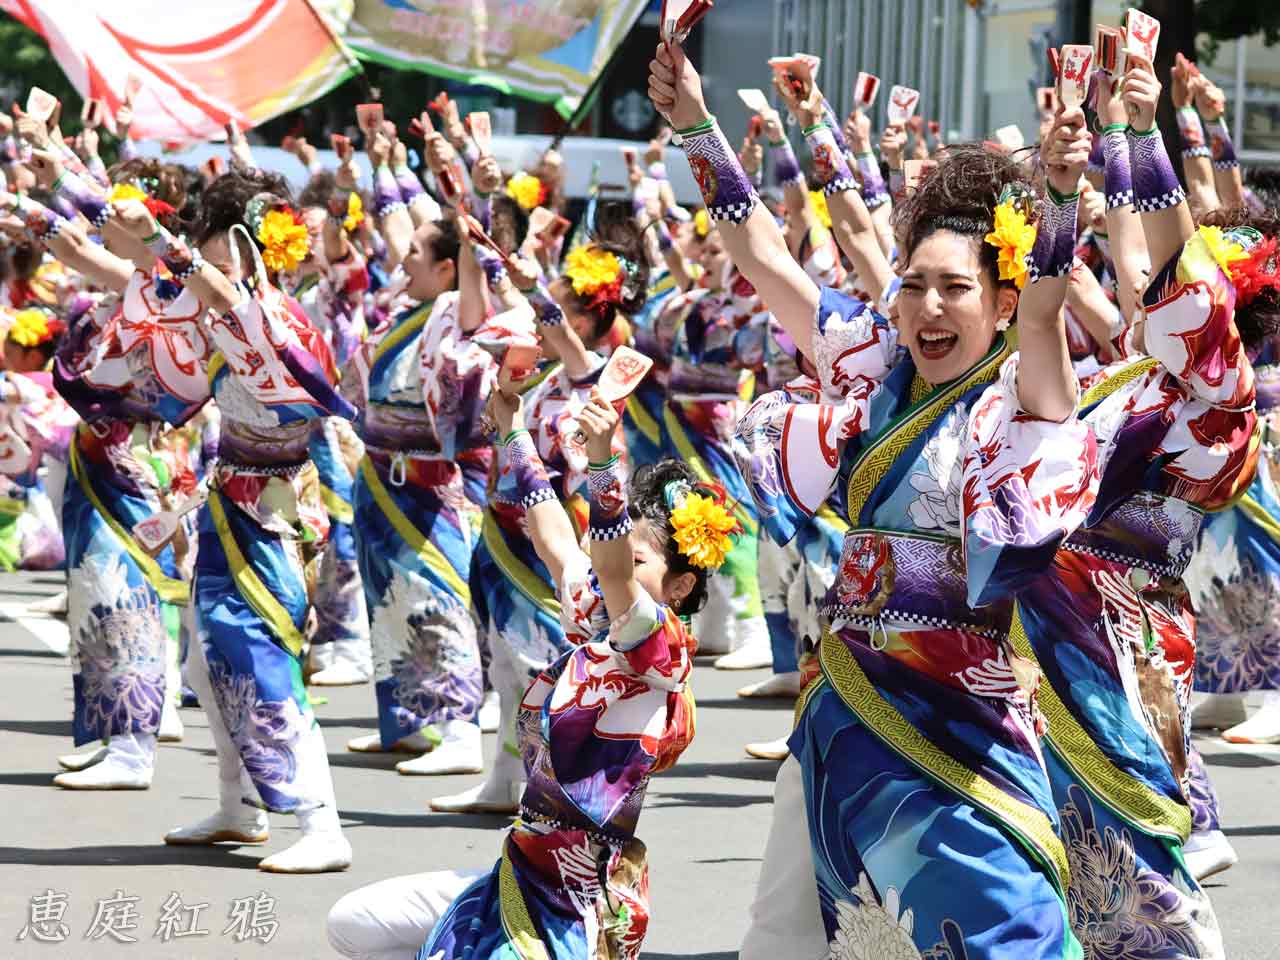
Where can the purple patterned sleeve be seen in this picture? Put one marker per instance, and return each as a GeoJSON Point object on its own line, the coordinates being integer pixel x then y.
{"type": "Point", "coordinates": [1118, 174]}
{"type": "Point", "coordinates": [1096, 162]}
{"type": "Point", "coordinates": [98, 170]}
{"type": "Point", "coordinates": [41, 223]}
{"type": "Point", "coordinates": [522, 472]}
{"type": "Point", "coordinates": [786, 169]}
{"type": "Point", "coordinates": [1054, 249]}
{"type": "Point", "coordinates": [495, 271]}
{"type": "Point", "coordinates": [470, 153]}
{"type": "Point", "coordinates": [665, 243]}
{"type": "Point", "coordinates": [76, 191]}
{"type": "Point", "coordinates": [127, 149]}
{"type": "Point", "coordinates": [1155, 185]}
{"type": "Point", "coordinates": [174, 253]}
{"type": "Point", "coordinates": [1221, 147]}
{"type": "Point", "coordinates": [386, 192]}
{"type": "Point", "coordinates": [837, 128]}
{"type": "Point", "coordinates": [545, 309]}
{"type": "Point", "coordinates": [725, 188]}
{"type": "Point", "coordinates": [408, 183]}
{"type": "Point", "coordinates": [830, 165]}
{"type": "Point", "coordinates": [1192, 132]}
{"type": "Point", "coordinates": [606, 483]}
{"type": "Point", "coordinates": [9, 149]}
{"type": "Point", "coordinates": [874, 193]}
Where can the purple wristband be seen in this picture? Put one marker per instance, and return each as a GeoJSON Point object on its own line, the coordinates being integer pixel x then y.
{"type": "Point", "coordinates": [874, 193]}
{"type": "Point", "coordinates": [41, 223]}
{"type": "Point", "coordinates": [837, 128]}
{"type": "Point", "coordinates": [527, 470]}
{"type": "Point", "coordinates": [469, 153]}
{"type": "Point", "coordinates": [1155, 185]}
{"type": "Point", "coordinates": [1096, 162]}
{"type": "Point", "coordinates": [98, 170]}
{"type": "Point", "coordinates": [1192, 131]}
{"type": "Point", "coordinates": [607, 487]}
{"type": "Point", "coordinates": [786, 169]}
{"type": "Point", "coordinates": [665, 243]}
{"type": "Point", "coordinates": [1221, 147]}
{"type": "Point", "coordinates": [725, 188]}
{"type": "Point", "coordinates": [386, 192]}
{"type": "Point", "coordinates": [830, 167]}
{"type": "Point", "coordinates": [408, 184]}
{"type": "Point", "coordinates": [1055, 246]}
{"type": "Point", "coordinates": [1118, 175]}
{"type": "Point", "coordinates": [546, 311]}
{"type": "Point", "coordinates": [83, 198]}
{"type": "Point", "coordinates": [495, 271]}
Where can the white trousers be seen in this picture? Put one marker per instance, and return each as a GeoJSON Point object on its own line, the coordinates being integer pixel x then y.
{"type": "Point", "coordinates": [392, 919]}
{"type": "Point", "coordinates": [784, 921]}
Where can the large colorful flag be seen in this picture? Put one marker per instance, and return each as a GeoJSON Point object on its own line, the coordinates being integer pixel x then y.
{"type": "Point", "coordinates": [547, 50]}
{"type": "Point", "coordinates": [199, 65]}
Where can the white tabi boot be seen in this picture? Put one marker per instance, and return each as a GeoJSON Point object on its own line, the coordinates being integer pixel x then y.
{"type": "Point", "coordinates": [458, 752]}
{"type": "Point", "coordinates": [128, 765]}
{"type": "Point", "coordinates": [235, 821]}
{"type": "Point", "coordinates": [490, 715]}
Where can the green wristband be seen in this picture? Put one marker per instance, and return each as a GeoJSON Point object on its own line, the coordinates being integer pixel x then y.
{"type": "Point", "coordinates": [817, 126]}
{"type": "Point", "coordinates": [513, 434]}
{"type": "Point", "coordinates": [1139, 133]}
{"type": "Point", "coordinates": [1112, 127]}
{"type": "Point", "coordinates": [1061, 198]}
{"type": "Point", "coordinates": [603, 466]}
{"type": "Point", "coordinates": [697, 128]}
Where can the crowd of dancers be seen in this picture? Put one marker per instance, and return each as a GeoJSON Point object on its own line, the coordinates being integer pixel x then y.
{"type": "Point", "coordinates": [971, 447]}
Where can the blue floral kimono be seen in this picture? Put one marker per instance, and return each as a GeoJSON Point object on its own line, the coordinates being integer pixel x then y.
{"type": "Point", "coordinates": [272, 377]}
{"type": "Point", "coordinates": [425, 388]}
{"type": "Point", "coordinates": [917, 738]}
{"type": "Point", "coordinates": [134, 369]}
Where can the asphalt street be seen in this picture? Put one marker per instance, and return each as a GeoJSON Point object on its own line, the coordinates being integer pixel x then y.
{"type": "Point", "coordinates": [97, 857]}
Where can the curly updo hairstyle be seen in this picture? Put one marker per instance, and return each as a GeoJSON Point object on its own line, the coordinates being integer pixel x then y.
{"type": "Point", "coordinates": [960, 195]}
{"type": "Point", "coordinates": [1260, 317]}
{"type": "Point", "coordinates": [224, 201]}
{"type": "Point", "coordinates": [648, 501]}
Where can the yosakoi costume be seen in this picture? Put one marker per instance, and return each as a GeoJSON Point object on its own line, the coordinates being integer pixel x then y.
{"type": "Point", "coordinates": [694, 337]}
{"type": "Point", "coordinates": [134, 369]}
{"type": "Point", "coordinates": [272, 377]}
{"type": "Point", "coordinates": [917, 742]}
{"type": "Point", "coordinates": [1234, 577]}
{"type": "Point", "coordinates": [572, 881]}
{"type": "Point", "coordinates": [427, 384]}
{"type": "Point", "coordinates": [1176, 437]}
{"type": "Point", "coordinates": [35, 426]}
{"type": "Point", "coordinates": [334, 302]}
{"type": "Point", "coordinates": [515, 599]}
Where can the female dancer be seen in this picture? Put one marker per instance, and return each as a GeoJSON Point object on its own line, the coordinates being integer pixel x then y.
{"type": "Point", "coordinates": [515, 597]}
{"type": "Point", "coordinates": [572, 881]}
{"type": "Point", "coordinates": [271, 376]}
{"type": "Point", "coordinates": [133, 369]}
{"type": "Point", "coordinates": [916, 751]}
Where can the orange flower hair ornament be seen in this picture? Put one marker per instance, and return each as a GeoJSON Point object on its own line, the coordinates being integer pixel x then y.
{"type": "Point", "coordinates": [279, 230]}
{"type": "Point", "coordinates": [602, 276]}
{"type": "Point", "coordinates": [703, 522]}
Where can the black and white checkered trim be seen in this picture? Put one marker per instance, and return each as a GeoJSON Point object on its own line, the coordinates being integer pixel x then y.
{"type": "Point", "coordinates": [1170, 198]}
{"type": "Point", "coordinates": [537, 496]}
{"type": "Point", "coordinates": [190, 269]}
{"type": "Point", "coordinates": [840, 185]}
{"type": "Point", "coordinates": [873, 625]}
{"type": "Point", "coordinates": [876, 200]}
{"type": "Point", "coordinates": [734, 212]}
{"type": "Point", "coordinates": [620, 528]}
{"type": "Point", "coordinates": [1231, 164]}
{"type": "Point", "coordinates": [1121, 198]}
{"type": "Point", "coordinates": [1200, 151]}
{"type": "Point", "coordinates": [101, 217]}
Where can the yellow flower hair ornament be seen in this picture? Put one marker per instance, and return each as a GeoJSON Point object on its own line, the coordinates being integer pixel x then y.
{"type": "Point", "coordinates": [702, 223]}
{"type": "Point", "coordinates": [818, 200]}
{"type": "Point", "coordinates": [527, 190]}
{"type": "Point", "coordinates": [33, 327]}
{"type": "Point", "coordinates": [1224, 248]}
{"type": "Point", "coordinates": [355, 212]}
{"type": "Point", "coordinates": [1014, 237]}
{"type": "Point", "coordinates": [601, 276]}
{"type": "Point", "coordinates": [279, 231]}
{"type": "Point", "coordinates": [704, 526]}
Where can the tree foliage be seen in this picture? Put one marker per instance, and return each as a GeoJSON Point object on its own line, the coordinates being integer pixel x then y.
{"type": "Point", "coordinates": [28, 63]}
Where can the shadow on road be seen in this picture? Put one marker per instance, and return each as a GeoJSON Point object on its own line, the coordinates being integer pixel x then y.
{"type": "Point", "coordinates": [157, 854]}
{"type": "Point", "coordinates": [359, 723]}
{"type": "Point", "coordinates": [729, 800]}
{"type": "Point", "coordinates": [745, 703]}
{"type": "Point", "coordinates": [40, 728]}
{"type": "Point", "coordinates": [369, 818]}
{"type": "Point", "coordinates": [1258, 831]}
{"type": "Point", "coordinates": [765, 771]}
{"type": "Point", "coordinates": [1239, 760]}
